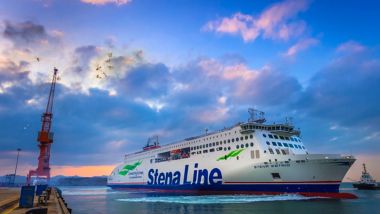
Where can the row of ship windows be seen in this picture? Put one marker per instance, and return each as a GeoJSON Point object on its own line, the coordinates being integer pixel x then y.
{"type": "Point", "coordinates": [282, 138]}
{"type": "Point", "coordinates": [213, 137]}
{"type": "Point", "coordinates": [221, 142]}
{"type": "Point", "coordinates": [283, 151]}
{"type": "Point", "coordinates": [286, 145]}
{"type": "Point", "coordinates": [223, 148]}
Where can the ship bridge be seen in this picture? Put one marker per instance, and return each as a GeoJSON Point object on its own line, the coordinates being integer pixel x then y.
{"type": "Point", "coordinates": [257, 120]}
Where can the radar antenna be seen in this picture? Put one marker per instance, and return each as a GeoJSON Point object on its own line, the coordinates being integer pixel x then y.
{"type": "Point", "coordinates": [256, 116]}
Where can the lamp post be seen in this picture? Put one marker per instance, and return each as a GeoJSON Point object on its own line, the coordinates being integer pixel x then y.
{"type": "Point", "coordinates": [18, 153]}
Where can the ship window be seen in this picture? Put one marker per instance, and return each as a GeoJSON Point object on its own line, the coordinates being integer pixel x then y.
{"type": "Point", "coordinates": [229, 148]}
{"type": "Point", "coordinates": [212, 150]}
{"type": "Point", "coordinates": [252, 144]}
{"type": "Point", "coordinates": [219, 149]}
{"type": "Point", "coordinates": [213, 144]}
{"type": "Point", "coordinates": [291, 145]}
{"type": "Point", "coordinates": [193, 153]}
{"type": "Point", "coordinates": [257, 153]}
{"type": "Point", "coordinates": [241, 138]}
{"type": "Point", "coordinates": [268, 143]}
{"type": "Point", "coordinates": [217, 143]}
{"type": "Point", "coordinates": [151, 160]}
{"type": "Point", "coordinates": [287, 138]}
{"type": "Point", "coordinates": [206, 145]}
{"type": "Point", "coordinates": [224, 141]}
{"type": "Point", "coordinates": [242, 145]}
{"type": "Point", "coordinates": [246, 145]}
{"type": "Point", "coordinates": [237, 139]}
{"type": "Point", "coordinates": [275, 136]}
{"type": "Point", "coordinates": [286, 145]}
{"type": "Point", "coordinates": [253, 154]}
{"type": "Point", "coordinates": [237, 157]}
{"type": "Point", "coordinates": [282, 138]}
{"type": "Point", "coordinates": [274, 143]}
{"type": "Point", "coordinates": [264, 135]}
{"type": "Point", "coordinates": [278, 151]}
{"type": "Point", "coordinates": [220, 142]}
{"type": "Point", "coordinates": [271, 151]}
{"type": "Point", "coordinates": [225, 149]}
{"type": "Point", "coordinates": [246, 137]}
{"type": "Point", "coordinates": [251, 136]}
{"type": "Point", "coordinates": [283, 152]}
{"type": "Point", "coordinates": [205, 151]}
{"type": "Point", "coordinates": [265, 151]}
{"type": "Point", "coordinates": [279, 144]}
{"type": "Point", "coordinates": [270, 136]}
{"type": "Point", "coordinates": [237, 146]}
{"type": "Point", "coordinates": [233, 140]}
{"type": "Point", "coordinates": [228, 140]}
{"type": "Point", "coordinates": [276, 175]}
{"type": "Point", "coordinates": [303, 147]}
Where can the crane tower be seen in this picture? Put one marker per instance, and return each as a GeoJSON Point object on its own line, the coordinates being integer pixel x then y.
{"type": "Point", "coordinates": [45, 138]}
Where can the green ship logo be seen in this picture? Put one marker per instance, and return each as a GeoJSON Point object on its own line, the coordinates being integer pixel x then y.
{"type": "Point", "coordinates": [128, 168]}
{"type": "Point", "coordinates": [230, 155]}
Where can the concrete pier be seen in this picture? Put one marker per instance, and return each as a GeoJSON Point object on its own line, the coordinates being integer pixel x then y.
{"type": "Point", "coordinates": [9, 201]}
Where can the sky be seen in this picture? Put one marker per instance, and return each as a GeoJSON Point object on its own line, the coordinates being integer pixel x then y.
{"type": "Point", "coordinates": [131, 69]}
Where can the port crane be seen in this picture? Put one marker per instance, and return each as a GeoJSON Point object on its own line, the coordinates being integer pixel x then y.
{"type": "Point", "coordinates": [45, 138]}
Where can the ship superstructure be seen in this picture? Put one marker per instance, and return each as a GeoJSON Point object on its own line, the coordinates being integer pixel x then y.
{"type": "Point", "coordinates": [366, 181]}
{"type": "Point", "coordinates": [249, 157]}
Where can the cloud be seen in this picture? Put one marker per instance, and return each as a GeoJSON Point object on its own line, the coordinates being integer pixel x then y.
{"type": "Point", "coordinates": [346, 91]}
{"type": "Point", "coordinates": [350, 47]}
{"type": "Point", "coordinates": [276, 22]}
{"type": "Point", "coordinates": [26, 34]}
{"type": "Point", "coordinates": [103, 2]}
{"type": "Point", "coordinates": [300, 46]}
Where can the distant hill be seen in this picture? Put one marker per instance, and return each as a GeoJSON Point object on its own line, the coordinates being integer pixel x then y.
{"type": "Point", "coordinates": [61, 180]}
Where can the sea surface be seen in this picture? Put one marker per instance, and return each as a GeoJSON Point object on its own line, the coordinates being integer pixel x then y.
{"type": "Point", "coordinates": [106, 200]}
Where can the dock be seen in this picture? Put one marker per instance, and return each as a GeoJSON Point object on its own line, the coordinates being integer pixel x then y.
{"type": "Point", "coordinates": [9, 202]}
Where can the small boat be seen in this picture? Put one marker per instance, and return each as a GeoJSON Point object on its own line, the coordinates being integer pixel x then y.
{"type": "Point", "coordinates": [366, 182]}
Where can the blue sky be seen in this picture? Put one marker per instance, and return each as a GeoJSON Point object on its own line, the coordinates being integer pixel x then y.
{"type": "Point", "coordinates": [182, 66]}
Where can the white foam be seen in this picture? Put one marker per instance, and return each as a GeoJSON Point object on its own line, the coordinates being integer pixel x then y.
{"type": "Point", "coordinates": [216, 199]}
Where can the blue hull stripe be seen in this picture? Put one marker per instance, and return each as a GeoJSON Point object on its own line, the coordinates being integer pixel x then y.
{"type": "Point", "coordinates": [328, 188]}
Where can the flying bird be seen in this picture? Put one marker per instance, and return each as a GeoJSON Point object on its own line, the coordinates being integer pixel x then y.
{"type": "Point", "coordinates": [38, 59]}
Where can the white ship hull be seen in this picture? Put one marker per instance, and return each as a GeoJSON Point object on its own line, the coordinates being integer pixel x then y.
{"type": "Point", "coordinates": [231, 168]}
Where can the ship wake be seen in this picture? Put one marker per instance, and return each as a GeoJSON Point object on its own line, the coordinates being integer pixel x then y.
{"type": "Point", "coordinates": [217, 199]}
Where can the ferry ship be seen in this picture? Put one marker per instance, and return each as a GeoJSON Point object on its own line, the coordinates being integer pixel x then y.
{"type": "Point", "coordinates": [250, 157]}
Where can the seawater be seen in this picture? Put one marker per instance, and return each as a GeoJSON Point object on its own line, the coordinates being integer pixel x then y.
{"type": "Point", "coordinates": [106, 200]}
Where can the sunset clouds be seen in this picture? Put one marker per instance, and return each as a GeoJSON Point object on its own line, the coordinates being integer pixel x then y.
{"type": "Point", "coordinates": [277, 22]}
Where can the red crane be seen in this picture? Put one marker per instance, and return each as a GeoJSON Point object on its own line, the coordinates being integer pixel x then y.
{"type": "Point", "coordinates": [45, 138]}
